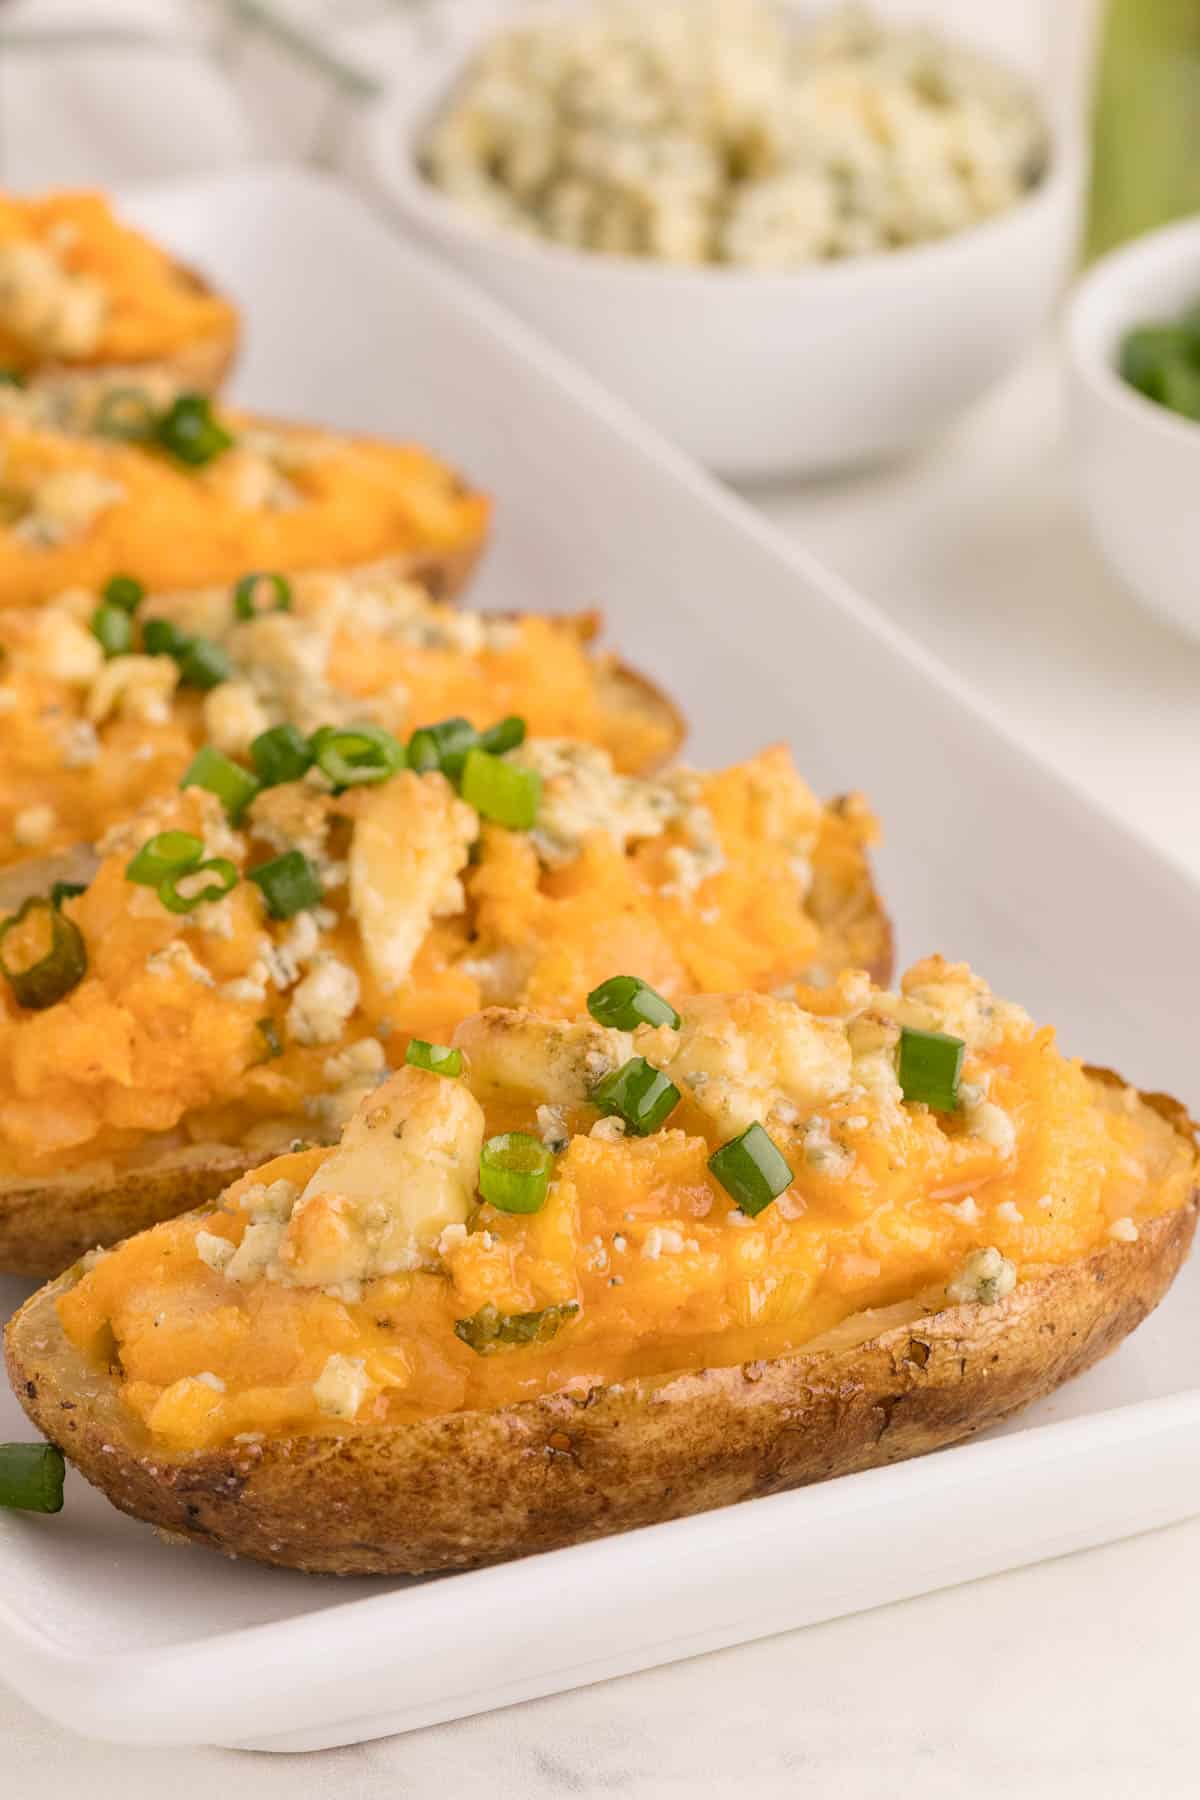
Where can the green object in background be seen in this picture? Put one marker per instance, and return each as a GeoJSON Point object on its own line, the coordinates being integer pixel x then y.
{"type": "Point", "coordinates": [1146, 120]}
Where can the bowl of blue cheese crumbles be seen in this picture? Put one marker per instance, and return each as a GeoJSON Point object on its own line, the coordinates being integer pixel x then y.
{"type": "Point", "coordinates": [706, 200]}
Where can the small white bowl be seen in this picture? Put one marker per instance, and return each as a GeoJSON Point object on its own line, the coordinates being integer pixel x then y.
{"type": "Point", "coordinates": [761, 374]}
{"type": "Point", "coordinates": [1137, 465]}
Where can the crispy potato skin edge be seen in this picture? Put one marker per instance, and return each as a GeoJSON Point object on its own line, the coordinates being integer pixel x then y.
{"type": "Point", "coordinates": [472, 1488]}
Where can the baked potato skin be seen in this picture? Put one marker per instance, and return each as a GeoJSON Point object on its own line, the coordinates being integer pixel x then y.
{"type": "Point", "coordinates": [46, 1226]}
{"type": "Point", "coordinates": [467, 1489]}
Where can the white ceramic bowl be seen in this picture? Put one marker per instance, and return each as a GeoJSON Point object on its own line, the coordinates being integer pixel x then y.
{"type": "Point", "coordinates": [1137, 466]}
{"type": "Point", "coordinates": [762, 374]}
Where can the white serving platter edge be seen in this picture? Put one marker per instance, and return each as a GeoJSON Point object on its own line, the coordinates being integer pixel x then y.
{"type": "Point", "coordinates": [988, 856]}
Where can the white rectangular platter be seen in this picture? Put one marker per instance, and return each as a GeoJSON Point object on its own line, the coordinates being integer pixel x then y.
{"type": "Point", "coordinates": [119, 1635]}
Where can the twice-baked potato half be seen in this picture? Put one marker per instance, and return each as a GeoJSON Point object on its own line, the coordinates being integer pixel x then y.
{"type": "Point", "coordinates": [254, 949]}
{"type": "Point", "coordinates": [568, 1278]}
{"type": "Point", "coordinates": [103, 709]}
{"type": "Point", "coordinates": [83, 295]}
{"type": "Point", "coordinates": [193, 494]}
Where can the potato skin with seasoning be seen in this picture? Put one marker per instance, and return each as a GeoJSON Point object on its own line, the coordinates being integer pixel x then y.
{"type": "Point", "coordinates": [470, 1488]}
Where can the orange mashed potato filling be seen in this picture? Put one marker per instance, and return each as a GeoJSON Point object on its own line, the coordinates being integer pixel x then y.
{"type": "Point", "coordinates": [74, 511]}
{"type": "Point", "coordinates": [162, 1043]}
{"type": "Point", "coordinates": [84, 747]}
{"type": "Point", "coordinates": [146, 307]}
{"type": "Point", "coordinates": [638, 1246]}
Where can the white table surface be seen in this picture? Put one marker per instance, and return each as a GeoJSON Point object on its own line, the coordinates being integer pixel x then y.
{"type": "Point", "coordinates": [1073, 1679]}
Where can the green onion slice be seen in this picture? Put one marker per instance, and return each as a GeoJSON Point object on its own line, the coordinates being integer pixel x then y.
{"type": "Point", "coordinates": [639, 1094]}
{"type": "Point", "coordinates": [281, 754]}
{"type": "Point", "coordinates": [224, 876]}
{"type": "Point", "coordinates": [268, 1031]}
{"type": "Point", "coordinates": [928, 1067]}
{"type": "Point", "coordinates": [501, 790]}
{"type": "Point", "coordinates": [514, 1172]}
{"type": "Point", "coordinates": [439, 1059]}
{"type": "Point", "coordinates": [124, 591]}
{"type": "Point", "coordinates": [489, 1330]}
{"type": "Point", "coordinates": [234, 786]}
{"type": "Point", "coordinates": [353, 754]}
{"type": "Point", "coordinates": [66, 890]}
{"type": "Point", "coordinates": [289, 884]}
{"type": "Point", "coordinates": [625, 1001]}
{"type": "Point", "coordinates": [127, 413]}
{"type": "Point", "coordinates": [263, 591]}
{"type": "Point", "coordinates": [13, 378]}
{"type": "Point", "coordinates": [203, 664]}
{"type": "Point", "coordinates": [31, 1477]}
{"type": "Point", "coordinates": [443, 746]}
{"type": "Point", "coordinates": [161, 638]}
{"type": "Point", "coordinates": [189, 431]}
{"type": "Point", "coordinates": [751, 1170]}
{"type": "Point", "coordinates": [43, 975]}
{"type": "Point", "coordinates": [508, 734]}
{"type": "Point", "coordinates": [168, 853]}
{"type": "Point", "coordinates": [112, 628]}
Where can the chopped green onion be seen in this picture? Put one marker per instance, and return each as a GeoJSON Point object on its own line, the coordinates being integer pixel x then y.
{"type": "Point", "coordinates": [639, 1094]}
{"type": "Point", "coordinates": [234, 786]}
{"type": "Point", "coordinates": [751, 1170]}
{"type": "Point", "coordinates": [507, 735]}
{"type": "Point", "coordinates": [289, 884]}
{"type": "Point", "coordinates": [189, 431]}
{"type": "Point", "coordinates": [112, 628]}
{"type": "Point", "coordinates": [168, 853]}
{"type": "Point", "coordinates": [59, 968]}
{"type": "Point", "coordinates": [268, 1031]}
{"type": "Point", "coordinates": [12, 378]}
{"type": "Point", "coordinates": [124, 591]}
{"type": "Point", "coordinates": [248, 590]}
{"type": "Point", "coordinates": [501, 790]}
{"type": "Point", "coordinates": [353, 754]}
{"type": "Point", "coordinates": [281, 754]}
{"type": "Point", "coordinates": [66, 890]}
{"type": "Point", "coordinates": [490, 1330]}
{"type": "Point", "coordinates": [31, 1477]}
{"type": "Point", "coordinates": [439, 1059]}
{"type": "Point", "coordinates": [224, 879]}
{"type": "Point", "coordinates": [127, 413]}
{"type": "Point", "coordinates": [928, 1067]}
{"type": "Point", "coordinates": [161, 638]}
{"type": "Point", "coordinates": [626, 1002]}
{"type": "Point", "coordinates": [203, 664]}
{"type": "Point", "coordinates": [442, 746]}
{"type": "Point", "coordinates": [514, 1172]}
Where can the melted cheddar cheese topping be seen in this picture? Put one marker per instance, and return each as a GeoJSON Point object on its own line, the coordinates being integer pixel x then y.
{"type": "Point", "coordinates": [87, 741]}
{"type": "Point", "coordinates": [738, 878]}
{"type": "Point", "coordinates": [76, 511]}
{"type": "Point", "coordinates": [79, 287]}
{"type": "Point", "coordinates": [324, 1292]}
